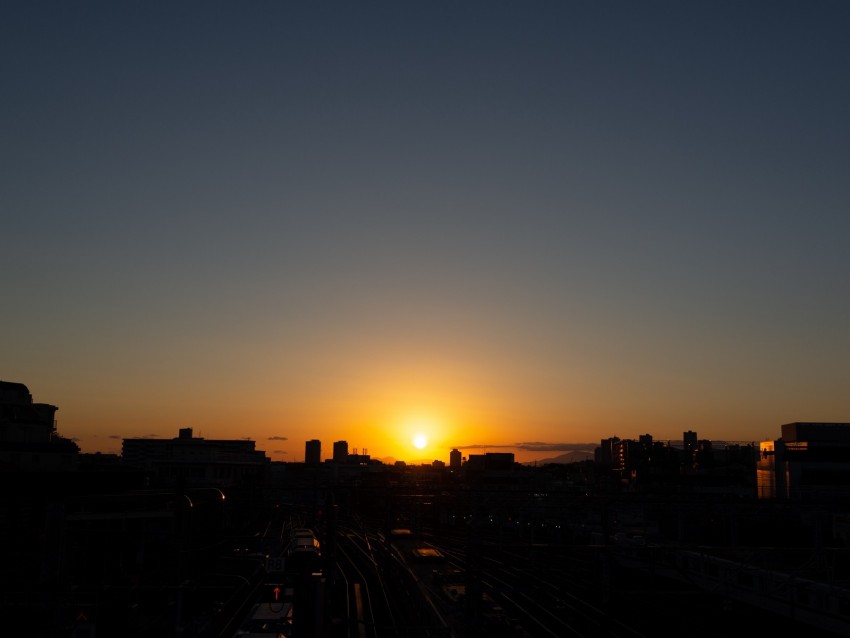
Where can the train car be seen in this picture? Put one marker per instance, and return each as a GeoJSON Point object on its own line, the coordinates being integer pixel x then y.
{"type": "Point", "coordinates": [304, 554]}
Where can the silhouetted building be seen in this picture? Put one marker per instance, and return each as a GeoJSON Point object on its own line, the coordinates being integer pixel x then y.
{"type": "Point", "coordinates": [28, 437]}
{"type": "Point", "coordinates": [811, 462]}
{"type": "Point", "coordinates": [607, 452]}
{"type": "Point", "coordinates": [196, 461]}
{"type": "Point", "coordinates": [689, 439]}
{"type": "Point", "coordinates": [359, 458]}
{"type": "Point", "coordinates": [491, 461]}
{"type": "Point", "coordinates": [340, 451]}
{"type": "Point", "coordinates": [620, 455]}
{"type": "Point", "coordinates": [455, 459]}
{"type": "Point", "coordinates": [313, 452]}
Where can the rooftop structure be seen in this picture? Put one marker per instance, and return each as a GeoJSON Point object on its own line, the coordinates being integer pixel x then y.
{"type": "Point", "coordinates": [197, 461]}
{"type": "Point", "coordinates": [28, 437]}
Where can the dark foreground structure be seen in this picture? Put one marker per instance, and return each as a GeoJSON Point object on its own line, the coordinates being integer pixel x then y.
{"type": "Point", "coordinates": [188, 537]}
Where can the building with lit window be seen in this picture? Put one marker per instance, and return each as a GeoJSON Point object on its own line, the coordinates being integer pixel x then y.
{"type": "Point", "coordinates": [811, 462]}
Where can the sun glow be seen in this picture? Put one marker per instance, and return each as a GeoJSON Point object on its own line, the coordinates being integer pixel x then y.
{"type": "Point", "coordinates": [420, 441]}
{"type": "Point", "coordinates": [415, 435]}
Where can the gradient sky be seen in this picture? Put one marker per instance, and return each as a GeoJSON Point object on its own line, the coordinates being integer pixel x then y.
{"type": "Point", "coordinates": [514, 226]}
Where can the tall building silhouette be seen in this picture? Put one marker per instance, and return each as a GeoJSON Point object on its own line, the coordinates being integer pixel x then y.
{"type": "Point", "coordinates": [340, 451]}
{"type": "Point", "coordinates": [313, 452]}
{"type": "Point", "coordinates": [455, 459]}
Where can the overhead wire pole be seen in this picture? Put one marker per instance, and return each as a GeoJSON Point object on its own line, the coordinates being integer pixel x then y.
{"type": "Point", "coordinates": [180, 515]}
{"type": "Point", "coordinates": [473, 561]}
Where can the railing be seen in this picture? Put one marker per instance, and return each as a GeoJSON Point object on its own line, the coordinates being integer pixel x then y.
{"type": "Point", "coordinates": [819, 603]}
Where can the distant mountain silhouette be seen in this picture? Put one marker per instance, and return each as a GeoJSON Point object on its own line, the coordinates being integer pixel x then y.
{"type": "Point", "coordinates": [574, 456]}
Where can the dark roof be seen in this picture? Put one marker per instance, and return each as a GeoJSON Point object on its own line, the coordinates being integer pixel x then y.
{"type": "Point", "coordinates": [11, 387]}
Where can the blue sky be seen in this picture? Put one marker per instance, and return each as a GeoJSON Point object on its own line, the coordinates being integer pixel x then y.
{"type": "Point", "coordinates": [549, 222]}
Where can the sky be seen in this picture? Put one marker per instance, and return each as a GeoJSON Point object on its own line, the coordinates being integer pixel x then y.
{"type": "Point", "coordinates": [507, 226]}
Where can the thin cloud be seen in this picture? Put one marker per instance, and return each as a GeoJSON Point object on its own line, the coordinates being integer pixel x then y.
{"type": "Point", "coordinates": [115, 436]}
{"type": "Point", "coordinates": [539, 446]}
{"type": "Point", "coordinates": [278, 438]}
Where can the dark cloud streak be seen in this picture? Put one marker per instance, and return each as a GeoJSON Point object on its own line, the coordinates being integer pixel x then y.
{"type": "Point", "coordinates": [539, 446]}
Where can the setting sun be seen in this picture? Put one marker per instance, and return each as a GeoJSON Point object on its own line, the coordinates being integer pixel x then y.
{"type": "Point", "coordinates": [414, 433]}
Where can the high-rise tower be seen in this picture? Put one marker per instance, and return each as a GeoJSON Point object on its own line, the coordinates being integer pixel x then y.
{"type": "Point", "coordinates": [313, 452]}
{"type": "Point", "coordinates": [340, 451]}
